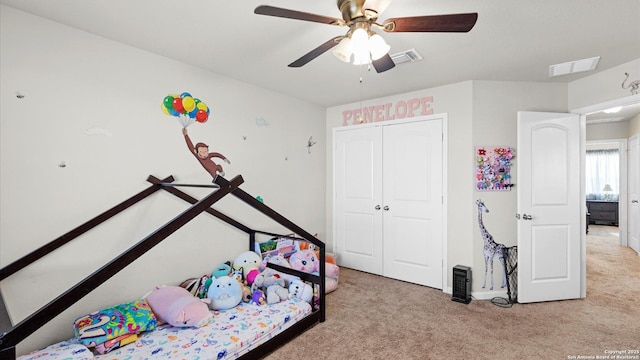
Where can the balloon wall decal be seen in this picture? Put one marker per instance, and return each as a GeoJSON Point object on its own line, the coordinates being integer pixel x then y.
{"type": "Point", "coordinates": [186, 108]}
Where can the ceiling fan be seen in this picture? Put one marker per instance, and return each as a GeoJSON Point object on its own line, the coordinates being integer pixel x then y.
{"type": "Point", "coordinates": [361, 41]}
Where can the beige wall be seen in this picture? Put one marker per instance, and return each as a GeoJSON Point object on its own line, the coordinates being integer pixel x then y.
{"type": "Point", "coordinates": [602, 86]}
{"type": "Point", "coordinates": [634, 126]}
{"type": "Point", "coordinates": [479, 113]}
{"type": "Point", "coordinates": [75, 83]}
{"type": "Point", "coordinates": [455, 100]}
{"type": "Point", "coordinates": [495, 108]}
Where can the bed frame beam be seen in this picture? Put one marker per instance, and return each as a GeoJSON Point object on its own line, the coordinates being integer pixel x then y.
{"type": "Point", "coordinates": [171, 188]}
{"type": "Point", "coordinates": [64, 239]}
{"type": "Point", "coordinates": [253, 202]}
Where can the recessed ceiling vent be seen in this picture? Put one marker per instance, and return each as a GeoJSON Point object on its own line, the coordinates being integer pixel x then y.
{"type": "Point", "coordinates": [407, 56]}
{"type": "Point", "coordinates": [573, 67]}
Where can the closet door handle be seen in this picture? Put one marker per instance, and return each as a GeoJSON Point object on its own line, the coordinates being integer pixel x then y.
{"type": "Point", "coordinates": [634, 201]}
{"type": "Point", "coordinates": [377, 207]}
{"type": "Point", "coordinates": [386, 208]}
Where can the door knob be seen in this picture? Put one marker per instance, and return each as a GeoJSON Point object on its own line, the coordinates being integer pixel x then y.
{"type": "Point", "coordinates": [377, 207]}
{"type": "Point", "coordinates": [634, 201]}
{"type": "Point", "coordinates": [527, 217]}
{"type": "Point", "coordinates": [386, 208]}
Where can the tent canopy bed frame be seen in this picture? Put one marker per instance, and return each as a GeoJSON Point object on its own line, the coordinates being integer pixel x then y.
{"type": "Point", "coordinates": [11, 335]}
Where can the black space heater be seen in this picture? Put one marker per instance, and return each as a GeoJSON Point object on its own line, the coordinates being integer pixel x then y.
{"type": "Point", "coordinates": [461, 284]}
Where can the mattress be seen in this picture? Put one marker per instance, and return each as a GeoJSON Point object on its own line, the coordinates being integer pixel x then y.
{"type": "Point", "coordinates": [230, 334]}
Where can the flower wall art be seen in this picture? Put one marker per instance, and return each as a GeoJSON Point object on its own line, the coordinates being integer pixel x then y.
{"type": "Point", "coordinates": [493, 168]}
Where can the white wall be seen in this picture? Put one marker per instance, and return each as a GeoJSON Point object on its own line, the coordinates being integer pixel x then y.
{"type": "Point", "coordinates": [74, 82]}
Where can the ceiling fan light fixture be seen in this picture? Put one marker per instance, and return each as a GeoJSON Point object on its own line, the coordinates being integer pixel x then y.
{"type": "Point", "coordinates": [360, 46]}
{"type": "Point", "coordinates": [343, 50]}
{"type": "Point", "coordinates": [361, 58]}
{"type": "Point", "coordinates": [359, 40]}
{"type": "Point", "coordinates": [377, 46]}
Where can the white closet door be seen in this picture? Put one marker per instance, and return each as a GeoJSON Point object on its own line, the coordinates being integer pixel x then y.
{"type": "Point", "coordinates": [358, 191]}
{"type": "Point", "coordinates": [413, 202]}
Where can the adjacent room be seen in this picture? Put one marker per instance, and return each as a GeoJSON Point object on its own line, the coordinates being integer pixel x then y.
{"type": "Point", "coordinates": [345, 179]}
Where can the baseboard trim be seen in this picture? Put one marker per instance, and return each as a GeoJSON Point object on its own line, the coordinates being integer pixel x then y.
{"type": "Point", "coordinates": [488, 295]}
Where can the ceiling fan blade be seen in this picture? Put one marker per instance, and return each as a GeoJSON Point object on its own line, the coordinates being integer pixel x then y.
{"type": "Point", "coordinates": [296, 15]}
{"type": "Point", "coordinates": [383, 64]}
{"type": "Point", "coordinates": [432, 23]}
{"type": "Point", "coordinates": [316, 52]}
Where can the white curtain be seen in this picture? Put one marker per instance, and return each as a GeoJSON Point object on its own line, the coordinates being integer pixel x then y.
{"type": "Point", "coordinates": [602, 169]}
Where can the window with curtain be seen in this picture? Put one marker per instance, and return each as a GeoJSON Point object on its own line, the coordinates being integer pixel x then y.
{"type": "Point", "coordinates": [602, 175]}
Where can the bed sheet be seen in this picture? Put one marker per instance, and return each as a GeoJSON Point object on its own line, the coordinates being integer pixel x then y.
{"type": "Point", "coordinates": [230, 334]}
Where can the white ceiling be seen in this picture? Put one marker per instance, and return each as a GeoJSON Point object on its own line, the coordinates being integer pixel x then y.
{"type": "Point", "coordinates": [513, 40]}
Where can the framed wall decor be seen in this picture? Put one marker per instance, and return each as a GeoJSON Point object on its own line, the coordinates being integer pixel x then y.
{"type": "Point", "coordinates": [493, 168]}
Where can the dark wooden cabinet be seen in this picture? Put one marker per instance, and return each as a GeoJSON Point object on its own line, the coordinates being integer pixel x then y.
{"type": "Point", "coordinates": [603, 212]}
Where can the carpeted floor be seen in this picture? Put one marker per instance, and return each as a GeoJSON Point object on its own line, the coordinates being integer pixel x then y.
{"type": "Point", "coordinates": [372, 317]}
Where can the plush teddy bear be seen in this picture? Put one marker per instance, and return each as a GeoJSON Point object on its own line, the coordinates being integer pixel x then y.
{"type": "Point", "coordinates": [225, 293]}
{"type": "Point", "coordinates": [176, 306]}
{"type": "Point", "coordinates": [301, 290]}
{"type": "Point", "coordinates": [274, 285]}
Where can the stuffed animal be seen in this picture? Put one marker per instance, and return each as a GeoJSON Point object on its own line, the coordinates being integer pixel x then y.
{"type": "Point", "coordinates": [222, 270]}
{"type": "Point", "coordinates": [197, 286]}
{"type": "Point", "coordinates": [273, 285]}
{"type": "Point", "coordinates": [225, 293]}
{"type": "Point", "coordinates": [258, 298]}
{"type": "Point", "coordinates": [331, 274]}
{"type": "Point", "coordinates": [176, 306]}
{"type": "Point", "coordinates": [251, 275]}
{"type": "Point", "coordinates": [304, 245]}
{"type": "Point", "coordinates": [248, 261]}
{"type": "Point", "coordinates": [301, 290]}
{"type": "Point", "coordinates": [246, 290]}
{"type": "Point", "coordinates": [282, 261]}
{"type": "Point", "coordinates": [305, 261]}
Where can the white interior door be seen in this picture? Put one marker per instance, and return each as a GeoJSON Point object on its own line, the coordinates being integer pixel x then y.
{"type": "Point", "coordinates": [633, 174]}
{"type": "Point", "coordinates": [413, 202]}
{"type": "Point", "coordinates": [550, 184]}
{"type": "Point", "coordinates": [358, 191]}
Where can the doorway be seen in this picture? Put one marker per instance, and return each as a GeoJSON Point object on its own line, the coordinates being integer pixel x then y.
{"type": "Point", "coordinates": [629, 108]}
{"type": "Point", "coordinates": [621, 146]}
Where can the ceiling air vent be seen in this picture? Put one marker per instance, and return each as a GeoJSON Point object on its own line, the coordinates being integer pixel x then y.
{"type": "Point", "coordinates": [407, 56]}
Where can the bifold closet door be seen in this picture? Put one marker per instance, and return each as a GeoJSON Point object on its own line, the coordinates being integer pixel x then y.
{"type": "Point", "coordinates": [413, 202]}
{"type": "Point", "coordinates": [358, 198]}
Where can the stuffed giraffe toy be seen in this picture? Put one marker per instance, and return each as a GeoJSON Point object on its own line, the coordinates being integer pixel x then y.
{"type": "Point", "coordinates": [491, 248]}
